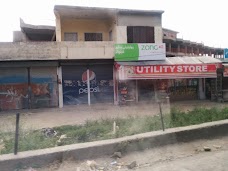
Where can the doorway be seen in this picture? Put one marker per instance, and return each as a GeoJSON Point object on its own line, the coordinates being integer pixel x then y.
{"type": "Point", "coordinates": [146, 90]}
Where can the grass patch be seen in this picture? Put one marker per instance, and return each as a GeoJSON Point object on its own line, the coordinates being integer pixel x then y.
{"type": "Point", "coordinates": [102, 129]}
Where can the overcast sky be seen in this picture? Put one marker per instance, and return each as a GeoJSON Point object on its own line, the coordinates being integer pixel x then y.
{"type": "Point", "coordinates": [196, 20]}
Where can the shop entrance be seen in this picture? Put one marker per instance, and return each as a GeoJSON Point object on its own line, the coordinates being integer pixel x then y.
{"type": "Point", "coordinates": [78, 79]}
{"type": "Point", "coordinates": [146, 90]}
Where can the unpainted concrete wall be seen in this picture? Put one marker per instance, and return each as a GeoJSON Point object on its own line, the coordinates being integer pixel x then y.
{"type": "Point", "coordinates": [58, 27]}
{"type": "Point", "coordinates": [121, 34]}
{"type": "Point", "coordinates": [158, 34]}
{"type": "Point", "coordinates": [29, 51]}
{"type": "Point", "coordinates": [81, 26]}
{"type": "Point", "coordinates": [87, 50]}
{"type": "Point", "coordinates": [19, 36]}
{"type": "Point", "coordinates": [56, 50]}
{"type": "Point", "coordinates": [139, 20]}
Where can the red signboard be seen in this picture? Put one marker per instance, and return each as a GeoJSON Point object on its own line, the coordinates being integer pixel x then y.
{"type": "Point", "coordinates": [169, 71]}
{"type": "Point", "coordinates": [225, 72]}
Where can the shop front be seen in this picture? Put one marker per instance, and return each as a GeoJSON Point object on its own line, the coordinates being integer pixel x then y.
{"type": "Point", "coordinates": [179, 78]}
{"type": "Point", "coordinates": [87, 82]}
{"type": "Point", "coordinates": [28, 85]}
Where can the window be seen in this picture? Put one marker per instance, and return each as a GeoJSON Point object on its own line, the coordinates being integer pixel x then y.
{"type": "Point", "coordinates": [93, 36]}
{"type": "Point", "coordinates": [71, 37]}
{"type": "Point", "coordinates": [140, 34]}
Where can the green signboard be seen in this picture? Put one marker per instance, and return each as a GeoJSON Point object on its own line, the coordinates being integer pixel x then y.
{"type": "Point", "coordinates": [140, 52]}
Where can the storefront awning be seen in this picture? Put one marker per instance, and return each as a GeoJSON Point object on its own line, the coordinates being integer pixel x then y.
{"type": "Point", "coordinates": [171, 68]}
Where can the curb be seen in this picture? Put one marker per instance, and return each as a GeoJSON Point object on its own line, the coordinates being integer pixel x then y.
{"type": "Point", "coordinates": [107, 147]}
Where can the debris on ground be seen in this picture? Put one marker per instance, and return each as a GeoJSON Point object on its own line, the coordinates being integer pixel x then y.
{"type": "Point", "coordinates": [31, 169]}
{"type": "Point", "coordinates": [132, 165]}
{"type": "Point", "coordinates": [116, 155]}
{"type": "Point", "coordinates": [92, 164]}
{"type": "Point", "coordinates": [59, 141]}
{"type": "Point", "coordinates": [217, 146]}
{"type": "Point", "coordinates": [101, 168]}
{"type": "Point", "coordinates": [49, 132]}
{"type": "Point", "coordinates": [2, 145]}
{"type": "Point", "coordinates": [206, 148]}
{"type": "Point", "coordinates": [144, 165]}
{"type": "Point", "coordinates": [64, 136]}
{"type": "Point", "coordinates": [114, 163]}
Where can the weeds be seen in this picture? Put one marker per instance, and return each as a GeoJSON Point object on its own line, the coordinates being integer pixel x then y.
{"type": "Point", "coordinates": [102, 129]}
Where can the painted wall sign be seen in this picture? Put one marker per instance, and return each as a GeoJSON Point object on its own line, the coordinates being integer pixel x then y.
{"type": "Point", "coordinates": [75, 88]}
{"type": "Point", "coordinates": [140, 52]}
{"type": "Point", "coordinates": [168, 71]}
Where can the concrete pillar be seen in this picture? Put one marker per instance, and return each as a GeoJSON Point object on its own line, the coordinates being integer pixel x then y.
{"type": "Point", "coordinates": [209, 53]}
{"type": "Point", "coordinates": [191, 51]}
{"type": "Point", "coordinates": [158, 34]}
{"type": "Point", "coordinates": [115, 85]}
{"type": "Point", "coordinates": [121, 34]}
{"type": "Point", "coordinates": [185, 50]}
{"type": "Point", "coordinates": [88, 87]}
{"type": "Point", "coordinates": [58, 27]}
{"type": "Point", "coordinates": [60, 86]}
{"type": "Point", "coordinates": [178, 48]}
{"type": "Point", "coordinates": [198, 51]}
{"type": "Point", "coordinates": [201, 88]}
{"type": "Point", "coordinates": [155, 91]}
{"type": "Point", "coordinates": [136, 92]}
{"type": "Point", "coordinates": [170, 47]}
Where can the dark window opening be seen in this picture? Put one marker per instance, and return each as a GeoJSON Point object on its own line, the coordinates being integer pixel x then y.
{"type": "Point", "coordinates": [140, 34]}
{"type": "Point", "coordinates": [93, 36]}
{"type": "Point", "coordinates": [110, 36]}
{"type": "Point", "coordinates": [71, 37]}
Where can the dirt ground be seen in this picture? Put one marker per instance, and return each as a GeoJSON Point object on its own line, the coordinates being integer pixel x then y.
{"type": "Point", "coordinates": [178, 157]}
{"type": "Point", "coordinates": [68, 115]}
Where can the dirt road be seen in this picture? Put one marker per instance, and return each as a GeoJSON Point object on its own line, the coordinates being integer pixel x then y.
{"type": "Point", "coordinates": [41, 118]}
{"type": "Point", "coordinates": [177, 157]}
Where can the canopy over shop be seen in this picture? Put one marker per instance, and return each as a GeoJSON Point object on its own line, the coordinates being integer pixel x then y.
{"type": "Point", "coordinates": [178, 77]}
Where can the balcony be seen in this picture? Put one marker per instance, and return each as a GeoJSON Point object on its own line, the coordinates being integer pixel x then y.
{"type": "Point", "coordinates": [87, 50]}
{"type": "Point", "coordinates": [56, 50]}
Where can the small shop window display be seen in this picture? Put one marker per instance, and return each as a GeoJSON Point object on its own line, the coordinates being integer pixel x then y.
{"type": "Point", "coordinates": [126, 92]}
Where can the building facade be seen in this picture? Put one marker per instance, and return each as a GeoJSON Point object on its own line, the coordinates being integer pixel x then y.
{"type": "Point", "coordinates": [76, 62]}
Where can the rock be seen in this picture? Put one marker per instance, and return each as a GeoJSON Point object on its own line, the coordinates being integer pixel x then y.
{"type": "Point", "coordinates": [113, 163]}
{"type": "Point", "coordinates": [217, 146]}
{"type": "Point", "coordinates": [59, 142]}
{"type": "Point", "coordinates": [117, 155]}
{"type": "Point", "coordinates": [206, 148]}
{"type": "Point", "coordinates": [64, 136]}
{"type": "Point", "coordinates": [31, 169]}
{"type": "Point", "coordinates": [2, 146]}
{"type": "Point", "coordinates": [119, 167]}
{"type": "Point", "coordinates": [132, 165]}
{"type": "Point", "coordinates": [92, 164]}
{"type": "Point", "coordinates": [101, 168]}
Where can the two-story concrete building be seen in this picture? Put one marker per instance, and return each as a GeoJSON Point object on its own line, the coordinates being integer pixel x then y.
{"type": "Point", "coordinates": [76, 62]}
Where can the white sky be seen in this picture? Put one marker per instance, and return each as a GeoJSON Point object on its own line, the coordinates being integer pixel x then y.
{"type": "Point", "coordinates": [196, 20]}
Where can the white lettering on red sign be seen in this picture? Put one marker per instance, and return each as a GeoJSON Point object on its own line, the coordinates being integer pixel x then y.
{"type": "Point", "coordinates": [171, 69]}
